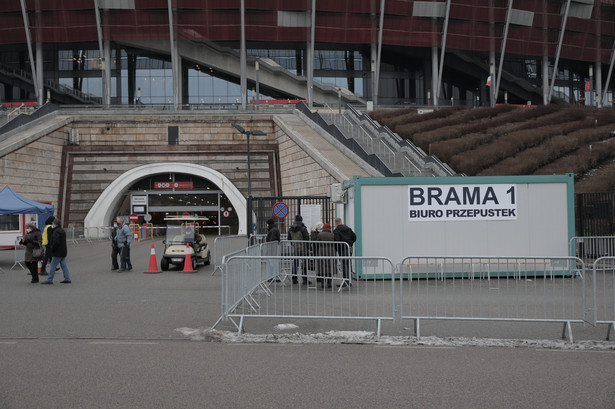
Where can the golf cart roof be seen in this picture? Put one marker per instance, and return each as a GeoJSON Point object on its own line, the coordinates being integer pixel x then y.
{"type": "Point", "coordinates": [186, 218]}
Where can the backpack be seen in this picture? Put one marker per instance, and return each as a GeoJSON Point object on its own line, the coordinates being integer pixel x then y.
{"type": "Point", "coordinates": [295, 235]}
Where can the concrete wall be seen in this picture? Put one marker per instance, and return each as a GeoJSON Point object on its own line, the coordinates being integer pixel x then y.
{"type": "Point", "coordinates": [72, 175]}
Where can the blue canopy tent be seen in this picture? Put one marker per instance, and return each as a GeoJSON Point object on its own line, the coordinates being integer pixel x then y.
{"type": "Point", "coordinates": [13, 203]}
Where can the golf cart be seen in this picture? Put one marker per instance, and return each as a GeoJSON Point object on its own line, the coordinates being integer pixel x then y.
{"type": "Point", "coordinates": [183, 236]}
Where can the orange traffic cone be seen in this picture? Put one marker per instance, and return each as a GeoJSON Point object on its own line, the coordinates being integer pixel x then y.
{"type": "Point", "coordinates": [39, 266]}
{"type": "Point", "coordinates": [153, 265]}
{"type": "Point", "coordinates": [188, 261]}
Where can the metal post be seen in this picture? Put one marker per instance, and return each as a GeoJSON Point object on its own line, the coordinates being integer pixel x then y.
{"type": "Point", "coordinates": [598, 81]}
{"type": "Point", "coordinates": [545, 79]}
{"type": "Point", "coordinates": [559, 49]}
{"type": "Point", "coordinates": [249, 179]}
{"type": "Point", "coordinates": [104, 63]}
{"type": "Point", "coordinates": [503, 48]}
{"type": "Point", "coordinates": [492, 91]}
{"type": "Point", "coordinates": [434, 76]}
{"type": "Point", "coordinates": [591, 85]}
{"type": "Point", "coordinates": [29, 41]}
{"type": "Point", "coordinates": [258, 95]}
{"type": "Point", "coordinates": [174, 58]}
{"type": "Point", "coordinates": [39, 72]}
{"type": "Point", "coordinates": [242, 57]}
{"type": "Point", "coordinates": [379, 56]}
{"type": "Point", "coordinates": [608, 76]}
{"type": "Point", "coordinates": [310, 62]}
{"type": "Point", "coordinates": [442, 53]}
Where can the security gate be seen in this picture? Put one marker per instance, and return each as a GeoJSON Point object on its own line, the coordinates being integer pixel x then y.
{"type": "Point", "coordinates": [263, 208]}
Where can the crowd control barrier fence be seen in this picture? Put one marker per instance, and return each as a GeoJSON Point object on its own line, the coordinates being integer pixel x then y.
{"type": "Point", "coordinates": [603, 289]}
{"type": "Point", "coordinates": [260, 282]}
{"type": "Point", "coordinates": [592, 247]}
{"type": "Point", "coordinates": [529, 289]}
{"type": "Point", "coordinates": [224, 245]}
{"type": "Point", "coordinates": [265, 287]}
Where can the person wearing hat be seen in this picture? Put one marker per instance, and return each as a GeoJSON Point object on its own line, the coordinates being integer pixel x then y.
{"type": "Point", "coordinates": [344, 234]}
{"type": "Point", "coordinates": [326, 248]}
{"type": "Point", "coordinates": [32, 240]}
{"type": "Point", "coordinates": [59, 251]}
{"type": "Point", "coordinates": [273, 233]}
{"type": "Point", "coordinates": [298, 233]}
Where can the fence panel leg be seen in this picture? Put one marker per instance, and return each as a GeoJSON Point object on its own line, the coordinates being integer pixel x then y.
{"type": "Point", "coordinates": [568, 328]}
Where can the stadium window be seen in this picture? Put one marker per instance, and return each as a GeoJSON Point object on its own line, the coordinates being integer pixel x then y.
{"type": "Point", "coordinates": [173, 132]}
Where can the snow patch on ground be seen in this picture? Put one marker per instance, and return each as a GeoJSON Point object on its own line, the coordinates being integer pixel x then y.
{"type": "Point", "coordinates": [370, 338]}
{"type": "Point", "coordinates": [282, 327]}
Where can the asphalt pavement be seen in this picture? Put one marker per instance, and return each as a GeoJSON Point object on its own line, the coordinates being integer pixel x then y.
{"type": "Point", "coordinates": [121, 340]}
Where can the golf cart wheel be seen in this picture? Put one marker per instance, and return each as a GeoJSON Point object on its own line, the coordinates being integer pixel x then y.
{"type": "Point", "coordinates": [194, 263]}
{"type": "Point", "coordinates": [208, 259]}
{"type": "Point", "coordinates": [164, 264]}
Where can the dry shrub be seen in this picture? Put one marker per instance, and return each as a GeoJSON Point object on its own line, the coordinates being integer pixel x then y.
{"type": "Point", "coordinates": [582, 160]}
{"type": "Point", "coordinates": [445, 150]}
{"type": "Point", "coordinates": [602, 180]}
{"type": "Point", "coordinates": [381, 115]}
{"type": "Point", "coordinates": [529, 160]}
{"type": "Point", "coordinates": [482, 157]}
{"type": "Point", "coordinates": [425, 122]}
{"type": "Point", "coordinates": [548, 139]}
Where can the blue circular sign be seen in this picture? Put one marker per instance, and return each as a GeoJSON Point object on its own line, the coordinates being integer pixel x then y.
{"type": "Point", "coordinates": [280, 210]}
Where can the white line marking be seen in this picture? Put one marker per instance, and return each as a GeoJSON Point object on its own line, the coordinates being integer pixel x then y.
{"type": "Point", "coordinates": [122, 343]}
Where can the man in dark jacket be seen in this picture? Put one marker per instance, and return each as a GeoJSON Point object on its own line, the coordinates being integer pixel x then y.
{"type": "Point", "coordinates": [59, 252]}
{"type": "Point", "coordinates": [273, 233]}
{"type": "Point", "coordinates": [298, 232]}
{"type": "Point", "coordinates": [273, 236]}
{"type": "Point", "coordinates": [344, 234]}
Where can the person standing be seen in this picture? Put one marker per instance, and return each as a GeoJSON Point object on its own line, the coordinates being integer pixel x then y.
{"type": "Point", "coordinates": [326, 248]}
{"type": "Point", "coordinates": [33, 240]}
{"type": "Point", "coordinates": [273, 233]}
{"type": "Point", "coordinates": [298, 233]}
{"type": "Point", "coordinates": [115, 249]}
{"type": "Point", "coordinates": [343, 233]}
{"type": "Point", "coordinates": [273, 236]}
{"type": "Point", "coordinates": [59, 251]}
{"type": "Point", "coordinates": [124, 237]}
{"type": "Point", "coordinates": [47, 244]}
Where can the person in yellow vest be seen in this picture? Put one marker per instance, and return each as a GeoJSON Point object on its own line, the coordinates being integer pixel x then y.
{"type": "Point", "coordinates": [46, 245]}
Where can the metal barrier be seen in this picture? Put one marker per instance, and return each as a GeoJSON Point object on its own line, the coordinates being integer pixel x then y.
{"type": "Point", "coordinates": [224, 245]}
{"type": "Point", "coordinates": [75, 234]}
{"type": "Point", "coordinates": [529, 289]}
{"type": "Point", "coordinates": [19, 253]}
{"type": "Point", "coordinates": [592, 247]}
{"type": "Point", "coordinates": [250, 289]}
{"type": "Point", "coordinates": [603, 290]}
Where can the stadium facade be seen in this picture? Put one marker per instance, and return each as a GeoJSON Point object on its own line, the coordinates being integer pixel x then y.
{"type": "Point", "coordinates": [381, 52]}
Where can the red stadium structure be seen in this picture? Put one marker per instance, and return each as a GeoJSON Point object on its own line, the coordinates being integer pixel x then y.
{"type": "Point", "coordinates": [384, 52]}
